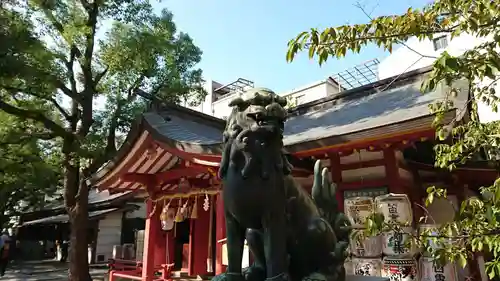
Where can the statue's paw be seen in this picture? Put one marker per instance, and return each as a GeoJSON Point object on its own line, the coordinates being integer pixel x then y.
{"type": "Point", "coordinates": [254, 273]}
{"type": "Point", "coordinates": [222, 173]}
{"type": "Point", "coordinates": [280, 277]}
{"type": "Point", "coordinates": [245, 171]}
{"type": "Point", "coordinates": [340, 253]}
{"type": "Point", "coordinates": [219, 277]}
{"type": "Point", "coordinates": [232, 277]}
{"type": "Point", "coordinates": [287, 170]}
{"type": "Point", "coordinates": [341, 249]}
{"type": "Point", "coordinates": [317, 276]}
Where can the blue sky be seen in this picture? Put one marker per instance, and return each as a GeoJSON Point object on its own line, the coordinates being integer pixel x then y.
{"type": "Point", "coordinates": [248, 39]}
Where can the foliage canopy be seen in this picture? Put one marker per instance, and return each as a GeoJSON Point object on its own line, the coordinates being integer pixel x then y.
{"type": "Point", "coordinates": [71, 70]}
{"type": "Point", "coordinates": [29, 175]}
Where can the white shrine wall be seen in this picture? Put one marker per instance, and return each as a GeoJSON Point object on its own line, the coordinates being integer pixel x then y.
{"type": "Point", "coordinates": [109, 235]}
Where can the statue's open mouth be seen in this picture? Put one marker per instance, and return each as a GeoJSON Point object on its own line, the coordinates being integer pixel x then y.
{"type": "Point", "coordinates": [268, 123]}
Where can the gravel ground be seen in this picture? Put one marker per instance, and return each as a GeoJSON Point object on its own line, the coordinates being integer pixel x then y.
{"type": "Point", "coordinates": [45, 271]}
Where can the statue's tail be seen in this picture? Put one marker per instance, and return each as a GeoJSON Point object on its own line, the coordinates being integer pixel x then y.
{"type": "Point", "coordinates": [324, 195]}
{"type": "Point", "coordinates": [324, 190]}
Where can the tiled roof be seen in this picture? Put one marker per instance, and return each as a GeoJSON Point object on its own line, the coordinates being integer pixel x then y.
{"type": "Point", "coordinates": [183, 129]}
{"type": "Point", "coordinates": [95, 198]}
{"type": "Point", "coordinates": [375, 105]}
{"type": "Point", "coordinates": [371, 111]}
{"type": "Point", "coordinates": [64, 218]}
{"type": "Point", "coordinates": [357, 111]}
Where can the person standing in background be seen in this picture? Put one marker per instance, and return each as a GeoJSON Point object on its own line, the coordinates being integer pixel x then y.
{"type": "Point", "coordinates": [4, 252]}
{"type": "Point", "coordinates": [64, 250]}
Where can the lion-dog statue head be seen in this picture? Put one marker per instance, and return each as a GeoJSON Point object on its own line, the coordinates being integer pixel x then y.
{"type": "Point", "coordinates": [254, 129]}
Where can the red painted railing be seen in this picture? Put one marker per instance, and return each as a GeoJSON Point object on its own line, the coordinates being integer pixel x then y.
{"type": "Point", "coordinates": [132, 269]}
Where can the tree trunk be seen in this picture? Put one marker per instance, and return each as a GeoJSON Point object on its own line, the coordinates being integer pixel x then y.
{"type": "Point", "coordinates": [76, 200]}
{"type": "Point", "coordinates": [78, 256]}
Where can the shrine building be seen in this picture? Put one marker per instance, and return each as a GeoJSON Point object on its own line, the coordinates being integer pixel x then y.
{"type": "Point", "coordinates": [375, 139]}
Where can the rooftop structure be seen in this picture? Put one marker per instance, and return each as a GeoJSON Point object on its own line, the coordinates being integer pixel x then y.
{"type": "Point", "coordinates": [359, 75]}
{"type": "Point", "coordinates": [219, 96]}
{"type": "Point", "coordinates": [238, 86]}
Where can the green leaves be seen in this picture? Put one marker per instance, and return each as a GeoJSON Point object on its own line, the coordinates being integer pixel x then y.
{"type": "Point", "coordinates": [54, 75]}
{"type": "Point", "coordinates": [27, 173]}
{"type": "Point", "coordinates": [476, 71]}
{"type": "Point", "coordinates": [140, 50]}
{"type": "Point", "coordinates": [151, 55]}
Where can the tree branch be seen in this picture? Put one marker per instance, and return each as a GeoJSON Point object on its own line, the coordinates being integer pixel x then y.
{"type": "Point", "coordinates": [51, 100]}
{"type": "Point", "coordinates": [372, 37]}
{"type": "Point", "coordinates": [359, 6]}
{"type": "Point", "coordinates": [74, 50]}
{"type": "Point", "coordinates": [59, 27]}
{"type": "Point", "coordinates": [35, 116]}
{"type": "Point", "coordinates": [90, 84]}
{"type": "Point", "coordinates": [110, 149]}
{"type": "Point", "coordinates": [71, 72]}
{"type": "Point", "coordinates": [92, 11]}
{"type": "Point", "coordinates": [21, 139]}
{"type": "Point", "coordinates": [133, 88]}
{"type": "Point", "coordinates": [60, 85]}
{"type": "Point", "coordinates": [85, 4]}
{"type": "Point", "coordinates": [100, 75]}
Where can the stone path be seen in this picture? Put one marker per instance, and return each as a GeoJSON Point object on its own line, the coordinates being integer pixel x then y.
{"type": "Point", "coordinates": [45, 271]}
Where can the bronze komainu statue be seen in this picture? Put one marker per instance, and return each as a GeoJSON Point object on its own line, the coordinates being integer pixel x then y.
{"type": "Point", "coordinates": [291, 234]}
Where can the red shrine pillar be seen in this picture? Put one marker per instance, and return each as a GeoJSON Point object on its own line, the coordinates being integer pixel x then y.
{"type": "Point", "coordinates": [160, 250]}
{"type": "Point", "coordinates": [336, 172]}
{"type": "Point", "coordinates": [220, 224]}
{"type": "Point", "coordinates": [392, 171]}
{"type": "Point", "coordinates": [151, 233]}
{"type": "Point", "coordinates": [198, 241]}
{"type": "Point", "coordinates": [170, 245]}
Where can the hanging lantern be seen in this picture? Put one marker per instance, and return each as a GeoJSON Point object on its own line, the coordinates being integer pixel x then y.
{"type": "Point", "coordinates": [167, 217]}
{"type": "Point", "coordinates": [184, 209]}
{"type": "Point", "coordinates": [187, 212]}
{"type": "Point", "coordinates": [163, 217]}
{"type": "Point", "coordinates": [194, 211]}
{"type": "Point", "coordinates": [178, 215]}
{"type": "Point", "coordinates": [206, 203]}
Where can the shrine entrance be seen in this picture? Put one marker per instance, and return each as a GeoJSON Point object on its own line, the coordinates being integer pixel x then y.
{"type": "Point", "coordinates": [181, 248]}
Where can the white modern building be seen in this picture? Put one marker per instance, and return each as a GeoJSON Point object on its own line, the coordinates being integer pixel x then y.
{"type": "Point", "coordinates": [217, 100]}
{"type": "Point", "coordinates": [418, 54]}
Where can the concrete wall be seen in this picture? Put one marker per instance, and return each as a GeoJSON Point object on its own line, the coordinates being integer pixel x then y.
{"type": "Point", "coordinates": [298, 96]}
{"type": "Point", "coordinates": [220, 107]}
{"type": "Point", "coordinates": [205, 105]}
{"type": "Point", "coordinates": [109, 235]}
{"type": "Point", "coordinates": [403, 59]}
{"type": "Point", "coordinates": [312, 92]}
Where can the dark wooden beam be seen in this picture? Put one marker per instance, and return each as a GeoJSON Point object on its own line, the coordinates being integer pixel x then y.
{"type": "Point", "coordinates": [145, 179]}
{"type": "Point", "coordinates": [364, 184]}
{"type": "Point", "coordinates": [379, 143]}
{"type": "Point", "coordinates": [178, 173]}
{"type": "Point", "coordinates": [392, 171]}
{"type": "Point", "coordinates": [364, 164]}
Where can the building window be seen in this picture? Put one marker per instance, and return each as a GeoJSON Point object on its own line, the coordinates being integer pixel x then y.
{"type": "Point", "coordinates": [300, 99]}
{"type": "Point", "coordinates": [440, 42]}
